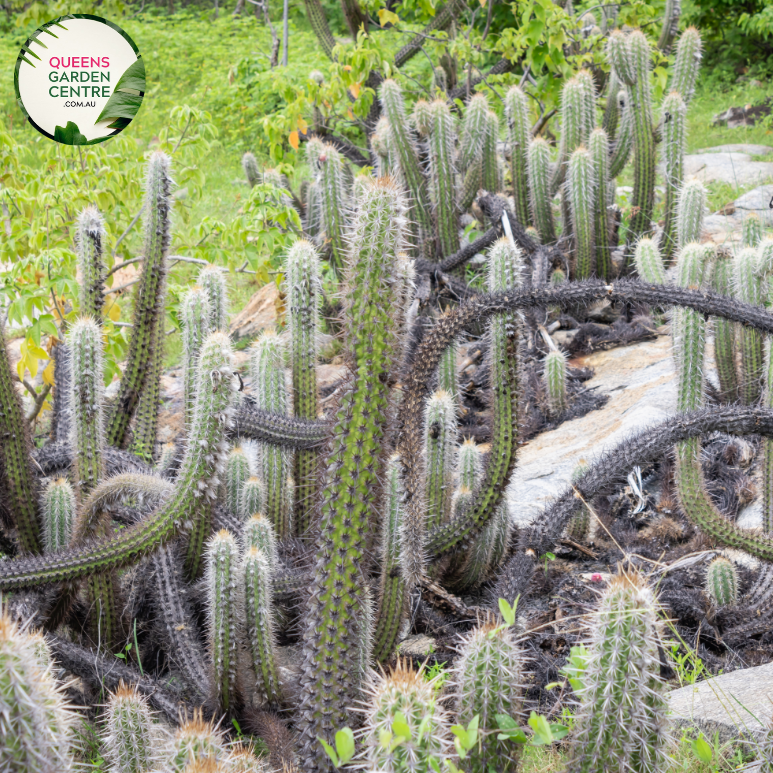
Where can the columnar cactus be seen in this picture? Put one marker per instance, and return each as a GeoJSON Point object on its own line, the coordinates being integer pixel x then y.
{"type": "Point", "coordinates": [611, 109]}
{"type": "Point", "coordinates": [303, 292]}
{"type": "Point", "coordinates": [624, 138]}
{"type": "Point", "coordinates": [674, 127]}
{"type": "Point", "coordinates": [555, 381]}
{"type": "Point", "coordinates": [149, 299]}
{"type": "Point", "coordinates": [442, 137]}
{"type": "Point", "coordinates": [722, 582]}
{"type": "Point", "coordinates": [517, 112]}
{"type": "Point", "coordinates": [251, 499]}
{"type": "Point", "coordinates": [223, 580]}
{"type": "Point", "coordinates": [487, 681]}
{"type": "Point", "coordinates": [492, 171]}
{"type": "Point", "coordinates": [408, 693]}
{"type": "Point", "coordinates": [313, 221]}
{"type": "Point", "coordinates": [579, 527]}
{"type": "Point", "coordinates": [58, 514]}
{"type": "Point", "coordinates": [440, 439]}
{"type": "Point", "coordinates": [581, 185]}
{"type": "Point", "coordinates": [752, 230]}
{"type": "Point", "coordinates": [690, 212]}
{"type": "Point", "coordinates": [622, 685]}
{"type": "Point", "coordinates": [448, 380]}
{"type": "Point", "coordinates": [196, 315]}
{"type": "Point", "coordinates": [255, 574]}
{"type": "Point", "coordinates": [421, 117]}
{"type": "Point", "coordinates": [393, 597]}
{"type": "Point", "coordinates": [379, 141]}
{"type": "Point", "coordinates": [748, 289]}
{"type": "Point", "coordinates": [539, 188]}
{"type": "Point", "coordinates": [649, 261]}
{"type": "Point", "coordinates": [89, 238]}
{"type": "Point", "coordinates": [375, 290]}
{"type": "Point", "coordinates": [251, 170]}
{"type": "Point", "coordinates": [471, 184]}
{"type": "Point", "coordinates": [270, 393]}
{"type": "Point", "coordinates": [474, 129]}
{"type": "Point", "coordinates": [765, 265]}
{"type": "Point", "coordinates": [439, 80]}
{"type": "Point", "coordinates": [334, 196]}
{"type": "Point", "coordinates": [86, 400]}
{"type": "Point", "coordinates": [194, 739]}
{"type": "Point", "coordinates": [34, 721]}
{"type": "Point", "coordinates": [259, 533]}
{"type": "Point", "coordinates": [129, 738]}
{"type": "Point", "coordinates": [687, 64]}
{"type": "Point", "coordinates": [598, 146]}
{"type": "Point", "coordinates": [725, 331]}
{"type": "Point", "coordinates": [237, 471]}
{"type": "Point", "coordinates": [212, 282]}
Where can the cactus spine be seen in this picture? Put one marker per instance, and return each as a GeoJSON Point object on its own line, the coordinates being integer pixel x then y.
{"type": "Point", "coordinates": [722, 582]}
{"type": "Point", "coordinates": [748, 290]}
{"type": "Point", "coordinates": [577, 121]}
{"type": "Point", "coordinates": [34, 721]}
{"type": "Point", "coordinates": [196, 315]}
{"type": "Point", "coordinates": [725, 331]}
{"type": "Point", "coordinates": [129, 740]}
{"type": "Point", "coordinates": [193, 740]}
{"type": "Point", "coordinates": [492, 172]}
{"type": "Point", "coordinates": [690, 212]}
{"type": "Point", "coordinates": [440, 438]}
{"type": "Point", "coordinates": [149, 299]}
{"type": "Point", "coordinates": [303, 300]}
{"type": "Point", "coordinates": [197, 482]}
{"type": "Point", "coordinates": [393, 596]}
{"type": "Point", "coordinates": [251, 499]}
{"type": "Point", "coordinates": [407, 158]}
{"type": "Point", "coordinates": [487, 682]}
{"type": "Point", "coordinates": [674, 126]}
{"type": "Point", "coordinates": [89, 238]}
{"type": "Point", "coordinates": [539, 185]}
{"type": "Point", "coordinates": [334, 202]}
{"type": "Point", "coordinates": [223, 613]}
{"type": "Point", "coordinates": [212, 281]}
{"type": "Point", "coordinates": [421, 117]}
{"type": "Point", "coordinates": [448, 380]}
{"type": "Point", "coordinates": [624, 139]}
{"type": "Point", "coordinates": [555, 381]}
{"type": "Point", "coordinates": [517, 111]}
{"type": "Point", "coordinates": [581, 187]}
{"type": "Point", "coordinates": [259, 533]}
{"type": "Point", "coordinates": [237, 471]}
{"type": "Point", "coordinates": [752, 230]}
{"type": "Point", "coordinates": [259, 621]}
{"type": "Point", "coordinates": [649, 261]}
{"type": "Point", "coordinates": [406, 692]}
{"type": "Point", "coordinates": [687, 64]}
{"type": "Point", "coordinates": [269, 391]}
{"type": "Point", "coordinates": [58, 515]}
{"type": "Point", "coordinates": [251, 170]}
{"type": "Point", "coordinates": [441, 166]}
{"type": "Point", "coordinates": [623, 686]}
{"type": "Point", "coordinates": [474, 128]}
{"type": "Point", "coordinates": [598, 146]}
{"type": "Point", "coordinates": [329, 681]}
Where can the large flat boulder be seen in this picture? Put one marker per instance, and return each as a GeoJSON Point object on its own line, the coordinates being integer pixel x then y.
{"type": "Point", "coordinates": [727, 227]}
{"type": "Point", "coordinates": [734, 168]}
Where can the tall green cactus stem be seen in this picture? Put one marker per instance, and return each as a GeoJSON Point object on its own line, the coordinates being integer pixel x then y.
{"type": "Point", "coordinates": [670, 28]}
{"type": "Point", "coordinates": [581, 186]}
{"type": "Point", "coordinates": [555, 382]}
{"type": "Point", "coordinates": [690, 212]}
{"type": "Point", "coordinates": [86, 398]}
{"type": "Point", "coordinates": [89, 238]}
{"type": "Point", "coordinates": [379, 141]}
{"type": "Point", "coordinates": [374, 291]}
{"type": "Point", "coordinates": [237, 471]}
{"type": "Point", "coordinates": [270, 393]}
{"type": "Point", "coordinates": [765, 267]}
{"type": "Point", "coordinates": [393, 596]}
{"type": "Point", "coordinates": [725, 331]}
{"type": "Point", "coordinates": [34, 721]}
{"type": "Point", "coordinates": [440, 439]}
{"type": "Point", "coordinates": [303, 292]}
{"type": "Point", "coordinates": [105, 605]}
{"type": "Point", "coordinates": [212, 280]}
{"type": "Point", "coordinates": [421, 117]}
{"type": "Point", "coordinates": [492, 171]}
{"type": "Point", "coordinates": [197, 482]}
{"type": "Point", "coordinates": [749, 290]}
{"type": "Point", "coordinates": [630, 56]}
{"type": "Point", "coordinates": [166, 458]}
{"type": "Point", "coordinates": [335, 201]}
{"type": "Point", "coordinates": [474, 129]}
{"type": "Point", "coordinates": [687, 64]}
{"type": "Point", "coordinates": [256, 574]}
{"type": "Point", "coordinates": [722, 582]}
{"type": "Point", "coordinates": [313, 221]}
{"type": "Point", "coordinates": [145, 430]}
{"type": "Point", "coordinates": [129, 739]}
{"type": "Point", "coordinates": [751, 230]}
{"type": "Point", "coordinates": [407, 159]}
{"type": "Point", "coordinates": [222, 581]}
{"type": "Point", "coordinates": [406, 692]}
{"type": "Point", "coordinates": [318, 21]}
{"type": "Point", "coordinates": [649, 261]}
{"type": "Point", "coordinates": [674, 126]}
{"type": "Point", "coordinates": [472, 183]}
{"type": "Point", "coordinates": [447, 377]}
{"type": "Point", "coordinates": [623, 688]}
{"type": "Point", "coordinates": [442, 139]}
{"type": "Point", "coordinates": [196, 315]}
{"type": "Point", "coordinates": [149, 298]}
{"type": "Point", "coordinates": [611, 109]}
{"type": "Point", "coordinates": [488, 674]}
{"type": "Point", "coordinates": [598, 146]}
{"type": "Point", "coordinates": [539, 186]}
{"type": "Point", "coordinates": [251, 170]}
{"type": "Point", "coordinates": [259, 533]}
{"type": "Point", "coordinates": [439, 80]}
{"type": "Point", "coordinates": [251, 500]}
{"type": "Point", "coordinates": [579, 526]}
{"type": "Point", "coordinates": [517, 112]}
{"type": "Point", "coordinates": [577, 122]}
{"type": "Point", "coordinates": [624, 139]}
{"type": "Point", "coordinates": [58, 515]}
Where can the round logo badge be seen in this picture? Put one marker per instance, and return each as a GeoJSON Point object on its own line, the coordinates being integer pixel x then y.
{"type": "Point", "coordinates": [79, 79]}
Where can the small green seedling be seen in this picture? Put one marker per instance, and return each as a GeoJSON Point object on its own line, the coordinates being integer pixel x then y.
{"type": "Point", "coordinates": [465, 738]}
{"type": "Point", "coordinates": [344, 750]}
{"type": "Point", "coordinates": [702, 749]}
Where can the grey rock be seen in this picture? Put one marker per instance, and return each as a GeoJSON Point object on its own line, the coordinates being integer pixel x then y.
{"type": "Point", "coordinates": [758, 200]}
{"type": "Point", "coordinates": [734, 168]}
{"type": "Point", "coordinates": [751, 150]}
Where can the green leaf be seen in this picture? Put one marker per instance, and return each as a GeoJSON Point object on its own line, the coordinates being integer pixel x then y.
{"type": "Point", "coordinates": [400, 726]}
{"type": "Point", "coordinates": [702, 750]}
{"type": "Point", "coordinates": [122, 104]}
{"type": "Point", "coordinates": [510, 729]}
{"type": "Point", "coordinates": [70, 135]}
{"type": "Point", "coordinates": [543, 735]}
{"type": "Point", "coordinates": [330, 751]}
{"type": "Point", "coordinates": [508, 612]}
{"type": "Point", "coordinates": [345, 744]}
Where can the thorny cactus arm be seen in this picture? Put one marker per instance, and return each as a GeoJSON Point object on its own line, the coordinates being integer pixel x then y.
{"type": "Point", "coordinates": [334, 196]}
{"type": "Point", "coordinates": [212, 282]}
{"type": "Point", "coordinates": [277, 429]}
{"type": "Point", "coordinates": [722, 582]}
{"type": "Point", "coordinates": [624, 139]}
{"type": "Point", "coordinates": [89, 238]}
{"type": "Point", "coordinates": [129, 736]}
{"type": "Point", "coordinates": [251, 498]}
{"type": "Point", "coordinates": [195, 312]}
{"type": "Point", "coordinates": [196, 483]}
{"type": "Point", "coordinates": [474, 127]}
{"type": "Point", "coordinates": [611, 110]}
{"type": "Point", "coordinates": [439, 439]}
{"type": "Point", "coordinates": [58, 515]}
{"type": "Point", "coordinates": [674, 125]}
{"type": "Point", "coordinates": [149, 299]}
{"type": "Point", "coordinates": [237, 471]}
{"type": "Point", "coordinates": [251, 170]}
{"type": "Point", "coordinates": [690, 212]}
{"type": "Point", "coordinates": [555, 381]}
{"type": "Point", "coordinates": [725, 333]}
{"type": "Point", "coordinates": [752, 230]}
{"type": "Point", "coordinates": [748, 289]}
{"type": "Point", "coordinates": [581, 185]}
{"type": "Point", "coordinates": [539, 188]}
{"type": "Point", "coordinates": [441, 167]}
{"type": "Point", "coordinates": [517, 111]}
{"type": "Point", "coordinates": [492, 173]}
{"type": "Point", "coordinates": [765, 267]}
{"type": "Point", "coordinates": [649, 261]}
{"type": "Point", "coordinates": [598, 145]}
{"type": "Point", "coordinates": [687, 64]}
